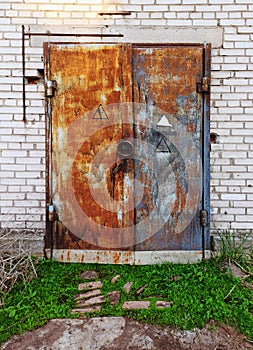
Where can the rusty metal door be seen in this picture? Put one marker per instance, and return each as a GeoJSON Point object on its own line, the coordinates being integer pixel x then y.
{"type": "Point", "coordinates": [127, 149]}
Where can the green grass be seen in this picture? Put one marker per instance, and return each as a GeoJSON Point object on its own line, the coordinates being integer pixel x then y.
{"type": "Point", "coordinates": [198, 293]}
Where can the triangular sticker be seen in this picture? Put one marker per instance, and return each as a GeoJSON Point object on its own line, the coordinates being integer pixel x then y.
{"type": "Point", "coordinates": [163, 121]}
{"type": "Point", "coordinates": [100, 113]}
{"type": "Point", "coordinates": [162, 145]}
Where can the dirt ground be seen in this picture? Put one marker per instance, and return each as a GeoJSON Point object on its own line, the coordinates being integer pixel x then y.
{"type": "Point", "coordinates": [118, 333]}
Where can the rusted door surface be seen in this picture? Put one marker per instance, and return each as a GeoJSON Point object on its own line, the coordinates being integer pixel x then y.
{"type": "Point", "coordinates": [165, 81]}
{"type": "Point", "coordinates": [127, 147]}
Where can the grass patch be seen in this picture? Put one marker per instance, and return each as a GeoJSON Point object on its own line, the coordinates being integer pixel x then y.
{"type": "Point", "coordinates": [234, 249]}
{"type": "Point", "coordinates": [198, 293]}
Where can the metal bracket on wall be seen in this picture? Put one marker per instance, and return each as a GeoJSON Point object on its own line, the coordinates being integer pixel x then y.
{"type": "Point", "coordinates": [47, 34]}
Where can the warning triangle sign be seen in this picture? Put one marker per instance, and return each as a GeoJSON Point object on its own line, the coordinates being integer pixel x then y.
{"type": "Point", "coordinates": [162, 145]}
{"type": "Point", "coordinates": [163, 121]}
{"type": "Point", "coordinates": [100, 113]}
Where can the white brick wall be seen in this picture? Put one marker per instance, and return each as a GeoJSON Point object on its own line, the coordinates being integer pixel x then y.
{"type": "Point", "coordinates": [22, 161]}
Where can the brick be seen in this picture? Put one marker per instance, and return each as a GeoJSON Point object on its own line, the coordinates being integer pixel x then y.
{"type": "Point", "coordinates": [92, 301]}
{"type": "Point", "coordinates": [233, 196]}
{"type": "Point", "coordinates": [92, 308]}
{"type": "Point", "coordinates": [168, 2]}
{"type": "Point", "coordinates": [155, 8]}
{"type": "Point", "coordinates": [90, 285]}
{"type": "Point", "coordinates": [115, 279]}
{"type": "Point", "coordinates": [131, 305]}
{"type": "Point", "coordinates": [127, 287]}
{"type": "Point", "coordinates": [161, 304]}
{"type": "Point", "coordinates": [114, 297]}
{"type": "Point", "coordinates": [88, 294]}
{"type": "Point", "coordinates": [148, 2]}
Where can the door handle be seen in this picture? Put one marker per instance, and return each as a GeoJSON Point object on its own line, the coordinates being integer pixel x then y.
{"type": "Point", "coordinates": [125, 149]}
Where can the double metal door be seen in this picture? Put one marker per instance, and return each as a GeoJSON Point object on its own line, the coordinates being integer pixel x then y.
{"type": "Point", "coordinates": [127, 148]}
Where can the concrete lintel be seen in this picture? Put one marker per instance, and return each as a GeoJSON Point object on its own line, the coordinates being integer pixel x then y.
{"type": "Point", "coordinates": [134, 34]}
{"type": "Point", "coordinates": [127, 257]}
{"type": "Point", "coordinates": [161, 34]}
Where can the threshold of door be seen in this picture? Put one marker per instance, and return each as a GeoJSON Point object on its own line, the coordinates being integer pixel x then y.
{"type": "Point", "coordinates": [128, 257]}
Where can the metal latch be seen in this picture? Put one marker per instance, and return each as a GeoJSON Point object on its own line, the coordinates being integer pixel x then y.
{"type": "Point", "coordinates": [203, 85]}
{"type": "Point", "coordinates": [50, 88]}
{"type": "Point", "coordinates": [203, 217]}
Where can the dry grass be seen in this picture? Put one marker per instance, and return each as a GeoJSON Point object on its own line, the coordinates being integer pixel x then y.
{"type": "Point", "coordinates": [15, 261]}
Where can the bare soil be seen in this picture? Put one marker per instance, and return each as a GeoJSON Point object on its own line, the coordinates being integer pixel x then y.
{"type": "Point", "coordinates": [118, 333]}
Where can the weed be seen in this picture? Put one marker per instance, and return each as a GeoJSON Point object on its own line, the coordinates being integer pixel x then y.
{"type": "Point", "coordinates": [233, 249]}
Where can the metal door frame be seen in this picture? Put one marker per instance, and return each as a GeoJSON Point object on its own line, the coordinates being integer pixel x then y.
{"type": "Point", "coordinates": [137, 257]}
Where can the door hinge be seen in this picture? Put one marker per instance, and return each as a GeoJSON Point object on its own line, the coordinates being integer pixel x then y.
{"type": "Point", "coordinates": [50, 88]}
{"type": "Point", "coordinates": [203, 217]}
{"type": "Point", "coordinates": [203, 85]}
{"type": "Point", "coordinates": [51, 213]}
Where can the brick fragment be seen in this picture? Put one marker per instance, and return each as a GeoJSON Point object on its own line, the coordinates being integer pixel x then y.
{"type": "Point", "coordinates": [114, 297]}
{"type": "Point", "coordinates": [89, 275]}
{"type": "Point", "coordinates": [115, 279]}
{"type": "Point", "coordinates": [127, 287]}
{"type": "Point", "coordinates": [162, 304]}
{"type": "Point", "coordinates": [92, 301]}
{"type": "Point", "coordinates": [86, 309]}
{"type": "Point", "coordinates": [130, 305]}
{"type": "Point", "coordinates": [90, 285]}
{"type": "Point", "coordinates": [140, 290]}
{"type": "Point", "coordinates": [90, 293]}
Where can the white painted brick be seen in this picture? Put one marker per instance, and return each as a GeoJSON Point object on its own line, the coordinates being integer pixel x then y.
{"type": "Point", "coordinates": [232, 82]}
{"type": "Point", "coordinates": [152, 22]}
{"type": "Point", "coordinates": [155, 8]}
{"type": "Point", "coordinates": [241, 218]}
{"type": "Point", "coordinates": [241, 132]}
{"type": "Point", "coordinates": [232, 52]}
{"type": "Point", "coordinates": [234, 66]}
{"type": "Point", "coordinates": [235, 154]}
{"type": "Point", "coordinates": [148, 2]}
{"type": "Point", "coordinates": [10, 210]}
{"type": "Point", "coordinates": [11, 153]}
{"type": "Point", "coordinates": [36, 196]}
{"type": "Point", "coordinates": [232, 22]}
{"type": "Point", "coordinates": [205, 22]}
{"type": "Point", "coordinates": [248, 161]}
{"type": "Point", "coordinates": [235, 169]}
{"type": "Point", "coordinates": [12, 181]}
{"type": "Point", "coordinates": [243, 44]}
{"type": "Point", "coordinates": [209, 15]}
{"type": "Point", "coordinates": [226, 218]}
{"type": "Point", "coordinates": [235, 96]}
{"type": "Point", "coordinates": [233, 196]}
{"type": "Point", "coordinates": [245, 175]}
{"type": "Point", "coordinates": [235, 15]}
{"type": "Point", "coordinates": [37, 182]}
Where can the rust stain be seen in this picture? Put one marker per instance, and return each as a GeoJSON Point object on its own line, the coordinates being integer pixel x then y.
{"type": "Point", "coordinates": [116, 257]}
{"type": "Point", "coordinates": [68, 255]}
